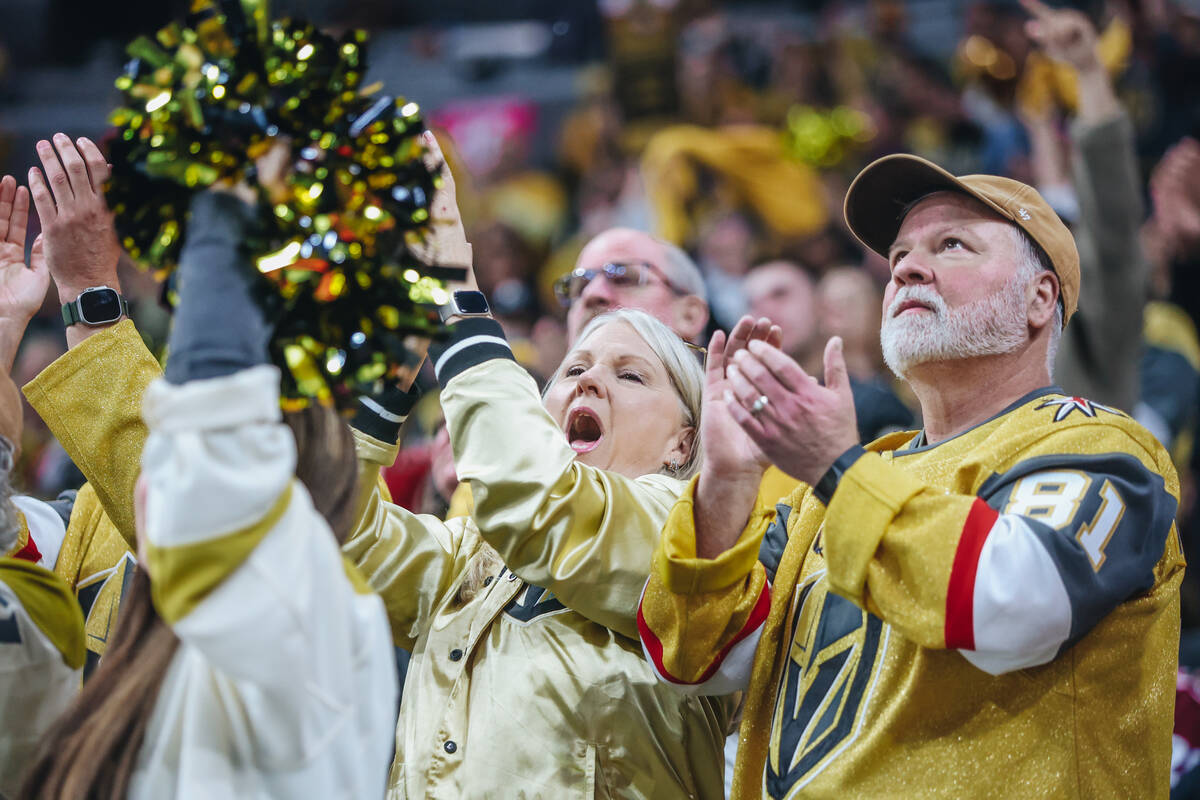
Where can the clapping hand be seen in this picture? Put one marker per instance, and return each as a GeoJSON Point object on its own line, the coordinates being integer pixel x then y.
{"type": "Point", "coordinates": [728, 450]}
{"type": "Point", "coordinates": [800, 425]}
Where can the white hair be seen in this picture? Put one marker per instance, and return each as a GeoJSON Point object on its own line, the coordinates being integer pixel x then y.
{"type": "Point", "coordinates": [992, 325]}
{"type": "Point", "coordinates": [1033, 261]}
{"type": "Point", "coordinates": [677, 357]}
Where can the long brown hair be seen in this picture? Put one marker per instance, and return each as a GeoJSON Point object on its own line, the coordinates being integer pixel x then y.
{"type": "Point", "coordinates": [91, 751]}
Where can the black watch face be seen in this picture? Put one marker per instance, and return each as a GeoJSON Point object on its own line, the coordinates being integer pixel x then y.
{"type": "Point", "coordinates": [471, 302]}
{"type": "Point", "coordinates": [99, 306]}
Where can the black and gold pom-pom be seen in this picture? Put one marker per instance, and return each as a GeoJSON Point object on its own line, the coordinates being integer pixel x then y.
{"type": "Point", "coordinates": [338, 277]}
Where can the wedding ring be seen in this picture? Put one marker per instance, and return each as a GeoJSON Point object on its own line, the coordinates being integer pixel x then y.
{"type": "Point", "coordinates": [759, 404]}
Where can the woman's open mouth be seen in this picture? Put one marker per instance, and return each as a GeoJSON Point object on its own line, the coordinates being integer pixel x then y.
{"type": "Point", "coordinates": [584, 431]}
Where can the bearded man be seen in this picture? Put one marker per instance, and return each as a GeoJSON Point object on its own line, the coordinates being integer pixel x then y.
{"type": "Point", "coordinates": [985, 608]}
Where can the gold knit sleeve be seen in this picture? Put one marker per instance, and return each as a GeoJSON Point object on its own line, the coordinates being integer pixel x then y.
{"type": "Point", "coordinates": [91, 399]}
{"type": "Point", "coordinates": [695, 613]}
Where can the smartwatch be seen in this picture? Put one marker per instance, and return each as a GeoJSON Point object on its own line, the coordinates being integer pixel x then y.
{"type": "Point", "coordinates": [96, 305]}
{"type": "Point", "coordinates": [465, 303]}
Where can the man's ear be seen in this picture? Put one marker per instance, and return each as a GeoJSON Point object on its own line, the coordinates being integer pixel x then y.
{"type": "Point", "coordinates": [1043, 299]}
{"type": "Point", "coordinates": [691, 317]}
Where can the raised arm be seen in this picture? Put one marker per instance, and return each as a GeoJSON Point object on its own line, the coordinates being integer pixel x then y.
{"type": "Point", "coordinates": [584, 533]}
{"type": "Point", "coordinates": [1102, 348]}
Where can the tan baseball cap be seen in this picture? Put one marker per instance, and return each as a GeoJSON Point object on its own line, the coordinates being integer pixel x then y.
{"type": "Point", "coordinates": [878, 197]}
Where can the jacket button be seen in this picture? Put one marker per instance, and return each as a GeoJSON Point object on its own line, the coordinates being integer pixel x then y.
{"type": "Point", "coordinates": [455, 655]}
{"type": "Point", "coordinates": [488, 580]}
{"type": "Point", "coordinates": [450, 746]}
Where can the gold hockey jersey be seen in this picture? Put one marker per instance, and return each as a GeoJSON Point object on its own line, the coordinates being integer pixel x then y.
{"type": "Point", "coordinates": [995, 615]}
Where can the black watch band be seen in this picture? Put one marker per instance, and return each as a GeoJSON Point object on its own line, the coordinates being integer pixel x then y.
{"type": "Point", "coordinates": [96, 305]}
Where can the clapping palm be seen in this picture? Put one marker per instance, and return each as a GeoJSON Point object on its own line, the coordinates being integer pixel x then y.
{"type": "Point", "coordinates": [726, 445]}
{"type": "Point", "coordinates": [22, 287]}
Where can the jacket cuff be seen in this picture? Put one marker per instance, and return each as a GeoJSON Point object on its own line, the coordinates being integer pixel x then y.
{"type": "Point", "coordinates": [472, 341]}
{"type": "Point", "coordinates": [381, 416]}
{"type": "Point", "coordinates": [119, 344]}
{"type": "Point", "coordinates": [829, 481]}
{"type": "Point", "coordinates": [683, 572]}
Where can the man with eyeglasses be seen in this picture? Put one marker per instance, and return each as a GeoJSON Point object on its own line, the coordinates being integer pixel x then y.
{"type": "Point", "coordinates": [625, 268]}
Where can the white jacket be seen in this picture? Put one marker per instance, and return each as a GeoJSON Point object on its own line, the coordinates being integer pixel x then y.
{"type": "Point", "coordinates": [284, 684]}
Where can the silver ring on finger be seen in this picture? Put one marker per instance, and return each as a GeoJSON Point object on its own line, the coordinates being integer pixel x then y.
{"type": "Point", "coordinates": [760, 402]}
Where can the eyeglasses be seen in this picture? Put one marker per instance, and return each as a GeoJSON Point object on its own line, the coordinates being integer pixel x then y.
{"type": "Point", "coordinates": [630, 274]}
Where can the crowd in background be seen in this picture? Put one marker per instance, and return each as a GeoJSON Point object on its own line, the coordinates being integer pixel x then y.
{"type": "Point", "coordinates": [734, 131]}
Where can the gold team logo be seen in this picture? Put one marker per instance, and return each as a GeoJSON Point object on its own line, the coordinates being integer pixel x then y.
{"type": "Point", "coordinates": [825, 687]}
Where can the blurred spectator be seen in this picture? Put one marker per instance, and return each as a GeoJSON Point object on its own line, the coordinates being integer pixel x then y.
{"type": "Point", "coordinates": [623, 268]}
{"type": "Point", "coordinates": [726, 250]}
{"type": "Point", "coordinates": [783, 292]}
{"type": "Point", "coordinates": [850, 304]}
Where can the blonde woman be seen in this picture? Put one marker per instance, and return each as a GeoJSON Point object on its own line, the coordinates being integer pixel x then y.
{"type": "Point", "coordinates": [526, 676]}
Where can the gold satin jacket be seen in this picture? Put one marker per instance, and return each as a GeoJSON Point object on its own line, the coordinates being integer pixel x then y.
{"type": "Point", "coordinates": [535, 689]}
{"type": "Point", "coordinates": [536, 686]}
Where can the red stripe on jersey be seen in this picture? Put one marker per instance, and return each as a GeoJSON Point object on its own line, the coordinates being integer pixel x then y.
{"type": "Point", "coordinates": [960, 595]}
{"type": "Point", "coordinates": [29, 552]}
{"type": "Point", "coordinates": [654, 646]}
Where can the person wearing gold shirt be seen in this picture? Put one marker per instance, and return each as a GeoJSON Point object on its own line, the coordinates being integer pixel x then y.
{"type": "Point", "coordinates": [985, 608]}
{"type": "Point", "coordinates": [527, 678]}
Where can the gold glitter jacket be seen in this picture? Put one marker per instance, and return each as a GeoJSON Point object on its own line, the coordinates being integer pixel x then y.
{"type": "Point", "coordinates": [535, 686]}
{"type": "Point", "coordinates": [97, 418]}
{"type": "Point", "coordinates": [996, 615]}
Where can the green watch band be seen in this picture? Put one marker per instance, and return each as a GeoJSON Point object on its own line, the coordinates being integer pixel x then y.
{"type": "Point", "coordinates": [96, 305]}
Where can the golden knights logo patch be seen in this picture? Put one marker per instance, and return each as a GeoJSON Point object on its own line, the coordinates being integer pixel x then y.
{"type": "Point", "coordinates": [825, 687]}
{"type": "Point", "coordinates": [1065, 405]}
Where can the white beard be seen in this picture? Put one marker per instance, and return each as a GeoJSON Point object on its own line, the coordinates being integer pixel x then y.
{"type": "Point", "coordinates": [991, 326]}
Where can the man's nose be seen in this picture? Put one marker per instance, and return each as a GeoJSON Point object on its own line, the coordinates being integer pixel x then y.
{"type": "Point", "coordinates": [599, 293]}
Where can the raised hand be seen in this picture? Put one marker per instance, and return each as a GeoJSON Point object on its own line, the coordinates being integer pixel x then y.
{"type": "Point", "coordinates": [733, 462]}
{"type": "Point", "coordinates": [800, 425]}
{"type": "Point", "coordinates": [1175, 189]}
{"type": "Point", "coordinates": [448, 245]}
{"type": "Point", "coordinates": [1063, 33]}
{"type": "Point", "coordinates": [79, 240]}
{"type": "Point", "coordinates": [22, 288]}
